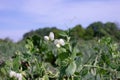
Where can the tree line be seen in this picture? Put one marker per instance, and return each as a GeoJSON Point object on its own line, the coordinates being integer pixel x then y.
{"type": "Point", "coordinates": [94, 30]}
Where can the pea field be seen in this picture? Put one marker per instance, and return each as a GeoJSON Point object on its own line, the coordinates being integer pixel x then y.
{"type": "Point", "coordinates": [51, 58]}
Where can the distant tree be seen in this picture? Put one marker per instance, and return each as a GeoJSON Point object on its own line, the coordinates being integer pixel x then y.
{"type": "Point", "coordinates": [98, 29]}
{"type": "Point", "coordinates": [42, 32]}
{"type": "Point", "coordinates": [28, 34]}
{"type": "Point", "coordinates": [77, 32]}
{"type": "Point", "coordinates": [89, 33]}
{"type": "Point", "coordinates": [112, 29]}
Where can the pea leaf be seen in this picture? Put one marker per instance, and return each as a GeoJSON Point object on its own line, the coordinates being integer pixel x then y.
{"type": "Point", "coordinates": [71, 69]}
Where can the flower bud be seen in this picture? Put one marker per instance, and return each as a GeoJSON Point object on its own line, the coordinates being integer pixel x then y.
{"type": "Point", "coordinates": [51, 36]}
{"type": "Point", "coordinates": [46, 38]}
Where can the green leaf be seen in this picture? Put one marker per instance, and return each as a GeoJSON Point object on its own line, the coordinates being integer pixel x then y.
{"type": "Point", "coordinates": [62, 72]}
{"type": "Point", "coordinates": [63, 56]}
{"type": "Point", "coordinates": [102, 71]}
{"type": "Point", "coordinates": [84, 72]}
{"type": "Point", "coordinates": [16, 64]}
{"type": "Point", "coordinates": [93, 71]}
{"type": "Point", "coordinates": [73, 56]}
{"type": "Point", "coordinates": [2, 70]}
{"type": "Point", "coordinates": [113, 65]}
{"type": "Point", "coordinates": [63, 34]}
{"type": "Point", "coordinates": [45, 77]}
{"type": "Point", "coordinates": [62, 49]}
{"type": "Point", "coordinates": [77, 78]}
{"type": "Point", "coordinates": [71, 69]}
{"type": "Point", "coordinates": [118, 69]}
{"type": "Point", "coordinates": [106, 58]}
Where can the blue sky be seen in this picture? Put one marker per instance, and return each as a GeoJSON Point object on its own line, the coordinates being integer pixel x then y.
{"type": "Point", "coordinates": [20, 16]}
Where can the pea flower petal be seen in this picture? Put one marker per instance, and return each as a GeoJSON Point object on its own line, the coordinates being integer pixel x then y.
{"type": "Point", "coordinates": [12, 73]}
{"type": "Point", "coordinates": [19, 76]}
{"type": "Point", "coordinates": [58, 45]}
{"type": "Point", "coordinates": [61, 41]}
{"type": "Point", "coordinates": [51, 36]}
{"type": "Point", "coordinates": [46, 38]}
{"type": "Point", "coordinates": [56, 41]}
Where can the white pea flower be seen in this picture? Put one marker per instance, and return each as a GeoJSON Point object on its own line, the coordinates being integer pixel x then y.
{"type": "Point", "coordinates": [58, 45]}
{"type": "Point", "coordinates": [59, 42]}
{"type": "Point", "coordinates": [50, 37]}
{"type": "Point", "coordinates": [16, 75]}
{"type": "Point", "coordinates": [56, 41]}
{"type": "Point", "coordinates": [46, 38]}
{"type": "Point", "coordinates": [12, 74]}
{"type": "Point", "coordinates": [19, 76]}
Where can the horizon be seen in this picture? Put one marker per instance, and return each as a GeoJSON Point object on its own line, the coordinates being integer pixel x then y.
{"type": "Point", "coordinates": [19, 17]}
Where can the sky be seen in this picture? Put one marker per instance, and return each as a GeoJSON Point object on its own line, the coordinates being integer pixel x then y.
{"type": "Point", "coordinates": [20, 16]}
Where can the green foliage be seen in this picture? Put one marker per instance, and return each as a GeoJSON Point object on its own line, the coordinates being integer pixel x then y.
{"type": "Point", "coordinates": [67, 57]}
{"type": "Point", "coordinates": [71, 69]}
{"type": "Point", "coordinates": [77, 32]}
{"type": "Point", "coordinates": [44, 60]}
{"type": "Point", "coordinates": [98, 29]}
{"type": "Point", "coordinates": [42, 32]}
{"type": "Point", "coordinates": [8, 48]}
{"type": "Point", "coordinates": [94, 30]}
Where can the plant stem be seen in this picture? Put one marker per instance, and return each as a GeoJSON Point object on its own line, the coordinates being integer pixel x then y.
{"type": "Point", "coordinates": [99, 68]}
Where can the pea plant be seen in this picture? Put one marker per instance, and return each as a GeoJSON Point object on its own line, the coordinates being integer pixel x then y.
{"type": "Point", "coordinates": [47, 58]}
